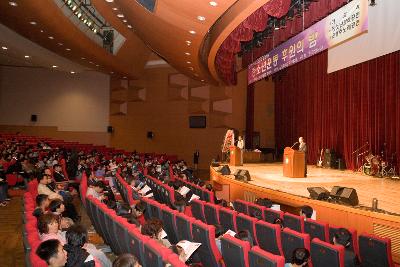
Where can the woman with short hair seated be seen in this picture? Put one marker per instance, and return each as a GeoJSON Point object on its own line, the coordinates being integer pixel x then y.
{"type": "Point", "coordinates": [300, 258]}
{"type": "Point", "coordinates": [49, 228]}
{"type": "Point", "coordinates": [154, 229]}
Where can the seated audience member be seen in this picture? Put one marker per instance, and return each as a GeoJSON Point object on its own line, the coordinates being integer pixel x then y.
{"type": "Point", "coordinates": [257, 214]}
{"type": "Point", "coordinates": [343, 237]}
{"type": "Point", "coordinates": [300, 258]}
{"type": "Point", "coordinates": [52, 252]}
{"type": "Point", "coordinates": [77, 255]}
{"type": "Point", "coordinates": [57, 207]}
{"type": "Point", "coordinates": [280, 222]}
{"type": "Point", "coordinates": [95, 190]}
{"type": "Point", "coordinates": [3, 191]}
{"type": "Point", "coordinates": [218, 234]}
{"type": "Point", "coordinates": [58, 175]}
{"type": "Point", "coordinates": [307, 212]}
{"type": "Point", "coordinates": [42, 203]}
{"type": "Point", "coordinates": [44, 180]}
{"type": "Point", "coordinates": [180, 203]}
{"type": "Point", "coordinates": [154, 229]}
{"type": "Point", "coordinates": [49, 228]}
{"type": "Point", "coordinates": [138, 211]}
{"type": "Point", "coordinates": [245, 236]}
{"type": "Point", "coordinates": [265, 202]}
{"type": "Point", "coordinates": [126, 260]}
{"type": "Point", "coordinates": [82, 251]}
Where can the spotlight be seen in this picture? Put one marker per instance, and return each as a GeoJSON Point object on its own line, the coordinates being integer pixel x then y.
{"type": "Point", "coordinates": [372, 3]}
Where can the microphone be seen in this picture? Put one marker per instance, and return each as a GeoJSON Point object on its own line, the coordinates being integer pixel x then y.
{"type": "Point", "coordinates": [294, 144]}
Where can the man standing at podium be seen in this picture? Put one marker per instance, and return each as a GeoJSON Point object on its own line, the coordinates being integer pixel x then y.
{"type": "Point", "coordinates": [303, 148]}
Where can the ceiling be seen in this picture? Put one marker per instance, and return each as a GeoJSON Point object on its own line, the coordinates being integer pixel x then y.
{"type": "Point", "coordinates": [17, 51]}
{"type": "Point", "coordinates": [186, 34]}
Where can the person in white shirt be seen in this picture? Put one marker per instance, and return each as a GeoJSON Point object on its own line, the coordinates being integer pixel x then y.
{"type": "Point", "coordinates": [96, 190]}
{"type": "Point", "coordinates": [240, 144]}
{"type": "Point", "coordinates": [44, 180]}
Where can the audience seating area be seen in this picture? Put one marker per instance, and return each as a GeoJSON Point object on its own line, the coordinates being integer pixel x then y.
{"type": "Point", "coordinates": [272, 246]}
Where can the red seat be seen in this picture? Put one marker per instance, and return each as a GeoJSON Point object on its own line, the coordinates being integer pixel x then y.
{"type": "Point", "coordinates": [261, 258]}
{"type": "Point", "coordinates": [235, 251]}
{"type": "Point", "coordinates": [324, 254]}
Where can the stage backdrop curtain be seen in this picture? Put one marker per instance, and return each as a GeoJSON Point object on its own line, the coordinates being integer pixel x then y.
{"type": "Point", "coordinates": [342, 110]}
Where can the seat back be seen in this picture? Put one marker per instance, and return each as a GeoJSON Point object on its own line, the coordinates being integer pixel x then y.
{"type": "Point", "coordinates": [208, 196]}
{"type": "Point", "coordinates": [254, 208]}
{"type": "Point", "coordinates": [269, 237]}
{"type": "Point", "coordinates": [324, 254]}
{"type": "Point", "coordinates": [293, 222]}
{"type": "Point", "coordinates": [198, 210]}
{"type": "Point", "coordinates": [136, 241]}
{"type": "Point", "coordinates": [208, 251]}
{"type": "Point", "coordinates": [168, 218]}
{"type": "Point", "coordinates": [375, 251]}
{"type": "Point", "coordinates": [292, 240]}
{"type": "Point", "coordinates": [235, 251]}
{"type": "Point", "coordinates": [317, 229]}
{"type": "Point", "coordinates": [211, 212]}
{"type": "Point", "coordinates": [262, 258]}
{"type": "Point", "coordinates": [240, 206]}
{"type": "Point", "coordinates": [227, 218]}
{"type": "Point", "coordinates": [183, 226]}
{"type": "Point", "coordinates": [153, 254]}
{"type": "Point", "coordinates": [155, 210]}
{"type": "Point", "coordinates": [270, 215]}
{"type": "Point", "coordinates": [245, 222]}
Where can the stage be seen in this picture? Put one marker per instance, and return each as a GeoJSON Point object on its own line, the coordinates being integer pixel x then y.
{"type": "Point", "coordinates": [269, 175]}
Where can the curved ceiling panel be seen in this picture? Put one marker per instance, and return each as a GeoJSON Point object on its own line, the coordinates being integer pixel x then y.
{"type": "Point", "coordinates": [55, 32]}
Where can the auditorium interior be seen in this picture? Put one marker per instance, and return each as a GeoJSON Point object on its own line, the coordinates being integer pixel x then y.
{"type": "Point", "coordinates": [226, 133]}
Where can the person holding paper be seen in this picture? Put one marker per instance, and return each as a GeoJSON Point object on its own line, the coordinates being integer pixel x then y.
{"type": "Point", "coordinates": [185, 249]}
{"type": "Point", "coordinates": [154, 229]}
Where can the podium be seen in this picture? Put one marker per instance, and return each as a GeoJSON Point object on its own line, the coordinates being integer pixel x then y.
{"type": "Point", "coordinates": [293, 163]}
{"type": "Point", "coordinates": [235, 155]}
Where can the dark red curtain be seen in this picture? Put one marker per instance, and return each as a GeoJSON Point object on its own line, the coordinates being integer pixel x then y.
{"type": "Point", "coordinates": [342, 110]}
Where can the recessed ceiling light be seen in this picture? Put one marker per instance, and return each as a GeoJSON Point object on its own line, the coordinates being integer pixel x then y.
{"type": "Point", "coordinates": [111, 72]}
{"type": "Point", "coordinates": [68, 49]}
{"type": "Point", "coordinates": [191, 68]}
{"type": "Point", "coordinates": [202, 80]}
{"type": "Point", "coordinates": [115, 9]}
{"type": "Point", "coordinates": [4, 47]}
{"type": "Point", "coordinates": [91, 62]}
{"type": "Point", "coordinates": [72, 72]}
{"type": "Point", "coordinates": [188, 62]}
{"type": "Point", "coordinates": [130, 26]}
{"type": "Point", "coordinates": [33, 22]}
{"type": "Point", "coordinates": [120, 15]}
{"type": "Point", "coordinates": [41, 30]}
{"type": "Point", "coordinates": [124, 77]}
{"type": "Point", "coordinates": [97, 65]}
{"type": "Point", "coordinates": [187, 53]}
{"type": "Point", "coordinates": [12, 3]}
{"type": "Point", "coordinates": [60, 44]}
{"type": "Point", "coordinates": [201, 18]}
{"type": "Point", "coordinates": [109, 1]}
{"type": "Point", "coordinates": [125, 20]}
{"type": "Point", "coordinates": [83, 58]}
{"type": "Point", "coordinates": [192, 32]}
{"type": "Point", "coordinates": [188, 42]}
{"type": "Point", "coordinates": [27, 56]}
{"type": "Point", "coordinates": [54, 66]}
{"type": "Point", "coordinates": [51, 37]}
{"type": "Point", "coordinates": [213, 3]}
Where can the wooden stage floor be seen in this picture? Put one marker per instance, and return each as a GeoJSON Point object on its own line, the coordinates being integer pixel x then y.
{"type": "Point", "coordinates": [269, 175]}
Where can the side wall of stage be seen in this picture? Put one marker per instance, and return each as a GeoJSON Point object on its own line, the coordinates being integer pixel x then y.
{"type": "Point", "coordinates": [361, 220]}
